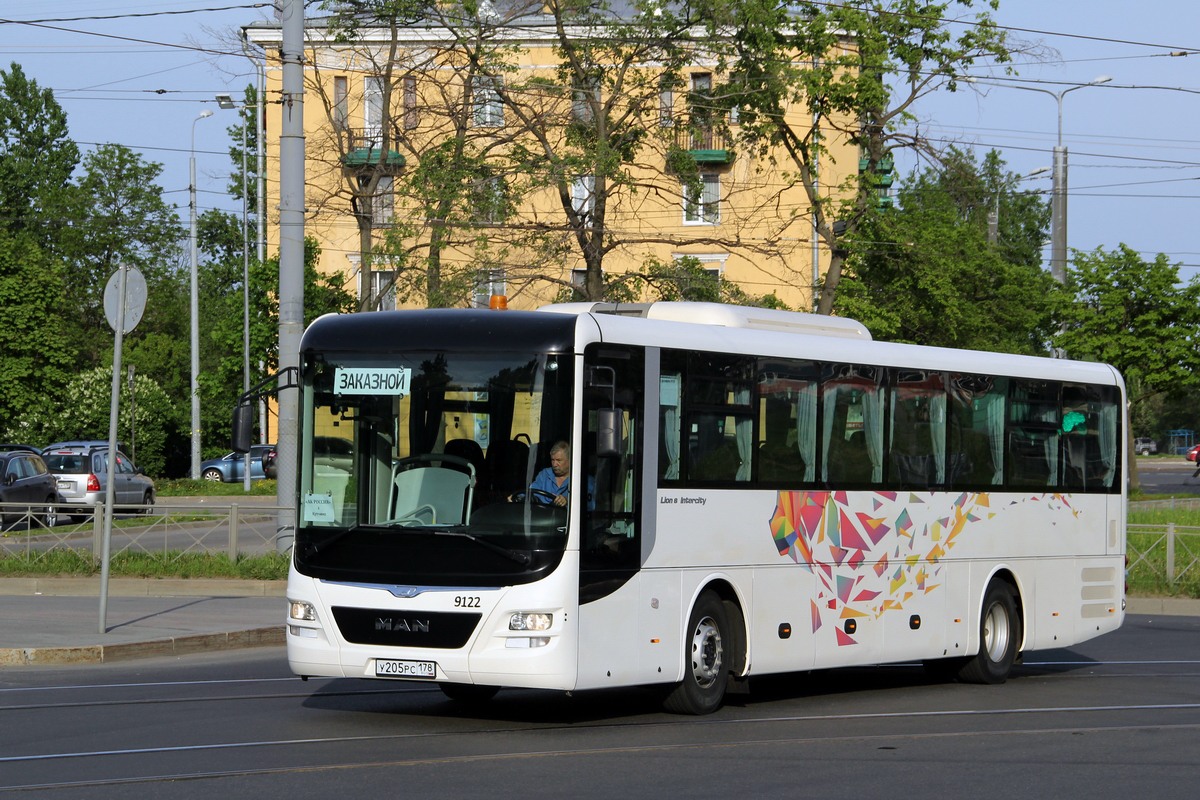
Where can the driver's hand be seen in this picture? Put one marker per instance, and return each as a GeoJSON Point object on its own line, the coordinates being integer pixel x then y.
{"type": "Point", "coordinates": [560, 500]}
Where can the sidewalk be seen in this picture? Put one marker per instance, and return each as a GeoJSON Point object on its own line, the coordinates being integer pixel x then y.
{"type": "Point", "coordinates": [57, 621]}
{"type": "Point", "coordinates": [49, 621]}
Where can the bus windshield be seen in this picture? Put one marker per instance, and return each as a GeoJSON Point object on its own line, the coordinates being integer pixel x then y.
{"type": "Point", "coordinates": [415, 467]}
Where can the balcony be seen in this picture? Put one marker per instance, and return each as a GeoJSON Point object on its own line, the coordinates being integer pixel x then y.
{"type": "Point", "coordinates": [882, 177]}
{"type": "Point", "coordinates": [364, 151]}
{"type": "Point", "coordinates": [704, 143]}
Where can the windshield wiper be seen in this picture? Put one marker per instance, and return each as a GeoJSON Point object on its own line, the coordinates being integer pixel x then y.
{"type": "Point", "coordinates": [313, 548]}
{"type": "Point", "coordinates": [521, 558]}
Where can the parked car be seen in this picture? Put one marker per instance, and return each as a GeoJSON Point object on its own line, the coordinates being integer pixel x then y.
{"type": "Point", "coordinates": [331, 451]}
{"type": "Point", "coordinates": [1193, 453]}
{"type": "Point", "coordinates": [81, 470]}
{"type": "Point", "coordinates": [231, 466]}
{"type": "Point", "coordinates": [270, 462]}
{"type": "Point", "coordinates": [24, 478]}
{"type": "Point", "coordinates": [27, 447]}
{"type": "Point", "coordinates": [1144, 446]}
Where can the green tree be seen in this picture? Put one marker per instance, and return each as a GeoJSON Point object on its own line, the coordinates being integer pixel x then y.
{"type": "Point", "coordinates": [118, 216]}
{"type": "Point", "coordinates": [1135, 315]}
{"type": "Point", "coordinates": [221, 385]}
{"type": "Point", "coordinates": [35, 359]}
{"type": "Point", "coordinates": [933, 271]}
{"type": "Point", "coordinates": [36, 157]}
{"type": "Point", "coordinates": [856, 67]}
{"type": "Point", "coordinates": [148, 419]}
{"type": "Point", "coordinates": [586, 132]}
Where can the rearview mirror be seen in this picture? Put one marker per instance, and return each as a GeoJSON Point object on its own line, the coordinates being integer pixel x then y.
{"type": "Point", "coordinates": [608, 432]}
{"type": "Point", "coordinates": [243, 427]}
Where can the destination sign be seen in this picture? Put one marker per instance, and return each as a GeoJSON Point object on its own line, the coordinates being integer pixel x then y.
{"type": "Point", "coordinates": [372, 380]}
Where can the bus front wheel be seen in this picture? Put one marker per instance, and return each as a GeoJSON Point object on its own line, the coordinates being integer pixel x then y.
{"type": "Point", "coordinates": [707, 659]}
{"type": "Point", "coordinates": [999, 636]}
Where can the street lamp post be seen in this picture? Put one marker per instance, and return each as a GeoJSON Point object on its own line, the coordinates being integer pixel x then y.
{"type": "Point", "coordinates": [1058, 207]}
{"type": "Point", "coordinates": [994, 214]}
{"type": "Point", "coordinates": [226, 101]}
{"type": "Point", "coordinates": [1058, 195]}
{"type": "Point", "coordinates": [195, 304]}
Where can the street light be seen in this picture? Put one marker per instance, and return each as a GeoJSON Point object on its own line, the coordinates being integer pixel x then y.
{"type": "Point", "coordinates": [994, 214]}
{"type": "Point", "coordinates": [1058, 196]}
{"type": "Point", "coordinates": [226, 102]}
{"type": "Point", "coordinates": [195, 304]}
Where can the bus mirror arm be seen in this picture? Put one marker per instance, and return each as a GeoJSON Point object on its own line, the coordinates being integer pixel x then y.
{"type": "Point", "coordinates": [243, 412]}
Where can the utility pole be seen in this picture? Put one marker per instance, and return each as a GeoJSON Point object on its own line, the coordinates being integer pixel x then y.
{"type": "Point", "coordinates": [291, 257]}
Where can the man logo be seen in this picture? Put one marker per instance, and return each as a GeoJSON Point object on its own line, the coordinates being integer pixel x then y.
{"type": "Point", "coordinates": [401, 624]}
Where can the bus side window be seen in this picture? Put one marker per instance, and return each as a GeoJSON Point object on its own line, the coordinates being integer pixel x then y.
{"type": "Point", "coordinates": [977, 446]}
{"type": "Point", "coordinates": [670, 422]}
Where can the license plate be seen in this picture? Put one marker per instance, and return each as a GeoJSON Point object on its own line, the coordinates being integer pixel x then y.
{"type": "Point", "coordinates": [397, 668]}
{"type": "Point", "coordinates": [66, 484]}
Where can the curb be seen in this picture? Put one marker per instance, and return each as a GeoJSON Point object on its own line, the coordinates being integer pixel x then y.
{"type": "Point", "coordinates": [1170, 606]}
{"type": "Point", "coordinates": [174, 646]}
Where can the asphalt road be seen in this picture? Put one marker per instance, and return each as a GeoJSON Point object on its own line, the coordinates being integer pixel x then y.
{"type": "Point", "coordinates": [1167, 476]}
{"type": "Point", "coordinates": [1116, 717]}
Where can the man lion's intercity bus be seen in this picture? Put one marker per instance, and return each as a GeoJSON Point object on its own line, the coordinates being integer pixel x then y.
{"type": "Point", "coordinates": [750, 492]}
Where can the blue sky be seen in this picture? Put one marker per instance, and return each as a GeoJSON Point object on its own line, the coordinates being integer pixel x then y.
{"type": "Point", "coordinates": [1134, 153]}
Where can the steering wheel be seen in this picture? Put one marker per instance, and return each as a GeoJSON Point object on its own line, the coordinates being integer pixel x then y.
{"type": "Point", "coordinates": [540, 496]}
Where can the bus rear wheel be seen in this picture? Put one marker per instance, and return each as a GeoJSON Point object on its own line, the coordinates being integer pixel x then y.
{"type": "Point", "coordinates": [707, 660]}
{"type": "Point", "coordinates": [999, 636]}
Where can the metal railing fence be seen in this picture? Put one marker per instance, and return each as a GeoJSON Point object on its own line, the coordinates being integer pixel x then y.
{"type": "Point", "coordinates": [182, 529]}
{"type": "Point", "coordinates": [1164, 554]}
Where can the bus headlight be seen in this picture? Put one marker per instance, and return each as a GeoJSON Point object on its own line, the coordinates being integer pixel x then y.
{"type": "Point", "coordinates": [302, 611]}
{"type": "Point", "coordinates": [530, 621]}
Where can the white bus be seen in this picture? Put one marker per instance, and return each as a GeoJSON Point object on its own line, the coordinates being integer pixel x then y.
{"type": "Point", "coordinates": [765, 492]}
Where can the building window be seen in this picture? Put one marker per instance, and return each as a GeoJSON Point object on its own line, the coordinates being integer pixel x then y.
{"type": "Point", "coordinates": [702, 204]}
{"type": "Point", "coordinates": [489, 199]}
{"type": "Point", "coordinates": [410, 103]}
{"type": "Point", "coordinates": [383, 289]}
{"type": "Point", "coordinates": [583, 196]}
{"type": "Point", "coordinates": [380, 205]}
{"type": "Point", "coordinates": [666, 103]}
{"type": "Point", "coordinates": [341, 115]}
{"type": "Point", "coordinates": [488, 108]}
{"type": "Point", "coordinates": [372, 111]}
{"type": "Point", "coordinates": [383, 204]}
{"type": "Point", "coordinates": [586, 98]}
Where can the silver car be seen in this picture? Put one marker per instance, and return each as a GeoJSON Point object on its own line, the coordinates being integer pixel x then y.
{"type": "Point", "coordinates": [81, 471]}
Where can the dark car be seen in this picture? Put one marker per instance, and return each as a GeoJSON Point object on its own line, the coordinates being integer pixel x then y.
{"type": "Point", "coordinates": [231, 466]}
{"type": "Point", "coordinates": [25, 479]}
{"type": "Point", "coordinates": [330, 451]}
{"type": "Point", "coordinates": [270, 463]}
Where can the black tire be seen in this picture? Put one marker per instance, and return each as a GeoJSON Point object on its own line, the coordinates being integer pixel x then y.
{"type": "Point", "coordinates": [147, 501]}
{"type": "Point", "coordinates": [468, 692]}
{"type": "Point", "coordinates": [212, 474]}
{"type": "Point", "coordinates": [999, 636]}
{"type": "Point", "coordinates": [707, 660]}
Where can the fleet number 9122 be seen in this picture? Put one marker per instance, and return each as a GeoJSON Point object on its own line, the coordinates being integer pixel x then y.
{"type": "Point", "coordinates": [467, 601]}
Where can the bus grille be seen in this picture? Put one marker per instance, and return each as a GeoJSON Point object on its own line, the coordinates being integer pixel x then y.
{"type": "Point", "coordinates": [405, 628]}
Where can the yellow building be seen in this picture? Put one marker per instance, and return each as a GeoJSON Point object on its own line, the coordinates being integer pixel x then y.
{"type": "Point", "coordinates": [445, 164]}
